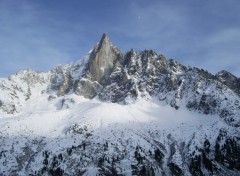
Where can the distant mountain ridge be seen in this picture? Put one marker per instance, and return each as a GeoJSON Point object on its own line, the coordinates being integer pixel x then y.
{"type": "Point", "coordinates": [108, 75]}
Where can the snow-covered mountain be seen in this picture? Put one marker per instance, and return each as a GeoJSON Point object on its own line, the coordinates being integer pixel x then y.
{"type": "Point", "coordinates": [114, 113]}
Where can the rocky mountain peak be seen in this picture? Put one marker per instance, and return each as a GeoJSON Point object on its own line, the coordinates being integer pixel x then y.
{"type": "Point", "coordinates": [226, 74]}
{"type": "Point", "coordinates": [101, 63]}
{"type": "Point", "coordinates": [102, 59]}
{"type": "Point", "coordinates": [104, 40]}
{"type": "Point", "coordinates": [229, 80]}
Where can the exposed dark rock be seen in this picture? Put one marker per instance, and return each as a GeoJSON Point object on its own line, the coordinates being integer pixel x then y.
{"type": "Point", "coordinates": [66, 85]}
{"type": "Point", "coordinates": [51, 97]}
{"type": "Point", "coordinates": [176, 171]}
{"type": "Point", "coordinates": [66, 103]}
{"type": "Point", "coordinates": [229, 80]}
{"type": "Point", "coordinates": [227, 150]}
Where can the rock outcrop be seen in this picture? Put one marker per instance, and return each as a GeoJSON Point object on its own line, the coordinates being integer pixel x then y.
{"type": "Point", "coordinates": [229, 80]}
{"type": "Point", "coordinates": [101, 63]}
{"type": "Point", "coordinates": [102, 60]}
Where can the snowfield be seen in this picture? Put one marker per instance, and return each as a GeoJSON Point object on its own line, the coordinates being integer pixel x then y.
{"type": "Point", "coordinates": [56, 126]}
{"type": "Point", "coordinates": [42, 118]}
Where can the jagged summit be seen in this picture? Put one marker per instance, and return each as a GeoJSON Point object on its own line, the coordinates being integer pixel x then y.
{"type": "Point", "coordinates": [101, 63]}
{"type": "Point", "coordinates": [104, 40]}
{"type": "Point", "coordinates": [229, 80]}
{"type": "Point", "coordinates": [142, 115]}
{"type": "Point", "coordinates": [103, 58]}
{"type": "Point", "coordinates": [225, 73]}
{"type": "Point", "coordinates": [104, 43]}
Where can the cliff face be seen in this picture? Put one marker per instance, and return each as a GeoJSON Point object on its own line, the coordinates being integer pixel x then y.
{"type": "Point", "coordinates": [102, 60]}
{"type": "Point", "coordinates": [101, 63]}
{"type": "Point", "coordinates": [143, 115]}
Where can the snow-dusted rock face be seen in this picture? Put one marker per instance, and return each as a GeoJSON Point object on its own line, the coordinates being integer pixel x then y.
{"type": "Point", "coordinates": [100, 65]}
{"type": "Point", "coordinates": [120, 114]}
{"type": "Point", "coordinates": [229, 80]}
{"type": "Point", "coordinates": [102, 60]}
{"type": "Point", "coordinates": [18, 88]}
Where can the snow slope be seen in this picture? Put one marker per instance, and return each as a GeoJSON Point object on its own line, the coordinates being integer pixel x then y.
{"type": "Point", "coordinates": [58, 127]}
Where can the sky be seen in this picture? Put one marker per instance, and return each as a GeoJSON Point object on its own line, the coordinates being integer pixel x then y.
{"type": "Point", "coordinates": [41, 34]}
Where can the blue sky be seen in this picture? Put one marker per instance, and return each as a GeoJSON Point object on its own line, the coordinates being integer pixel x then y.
{"type": "Point", "coordinates": [41, 34]}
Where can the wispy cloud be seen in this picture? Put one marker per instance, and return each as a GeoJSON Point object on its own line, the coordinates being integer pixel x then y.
{"type": "Point", "coordinates": [222, 51]}
{"type": "Point", "coordinates": [42, 34]}
{"type": "Point", "coordinates": [29, 39]}
{"type": "Point", "coordinates": [153, 24]}
{"type": "Point", "coordinates": [195, 34]}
